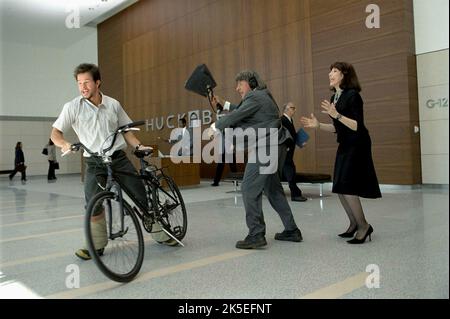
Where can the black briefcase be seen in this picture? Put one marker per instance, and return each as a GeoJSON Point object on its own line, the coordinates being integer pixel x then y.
{"type": "Point", "coordinates": [201, 81]}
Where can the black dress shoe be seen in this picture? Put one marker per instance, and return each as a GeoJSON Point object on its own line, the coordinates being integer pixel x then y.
{"type": "Point", "coordinates": [348, 234]}
{"type": "Point", "coordinates": [290, 235]}
{"type": "Point", "coordinates": [252, 242]}
{"type": "Point", "coordinates": [215, 184]}
{"type": "Point", "coordinates": [300, 198]}
{"type": "Point", "coordinates": [362, 240]}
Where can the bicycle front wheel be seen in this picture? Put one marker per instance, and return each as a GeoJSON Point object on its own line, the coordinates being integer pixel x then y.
{"type": "Point", "coordinates": [114, 237]}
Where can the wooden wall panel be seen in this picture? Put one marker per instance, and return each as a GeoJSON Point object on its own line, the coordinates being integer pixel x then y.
{"type": "Point", "coordinates": [147, 52]}
{"type": "Point", "coordinates": [355, 14]}
{"type": "Point", "coordinates": [110, 56]}
{"type": "Point", "coordinates": [383, 59]}
{"type": "Point", "coordinates": [324, 7]}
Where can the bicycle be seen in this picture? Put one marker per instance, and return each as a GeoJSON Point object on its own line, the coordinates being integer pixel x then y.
{"type": "Point", "coordinates": [122, 257]}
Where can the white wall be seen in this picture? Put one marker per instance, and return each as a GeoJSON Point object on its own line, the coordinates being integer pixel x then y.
{"type": "Point", "coordinates": [34, 135]}
{"type": "Point", "coordinates": [433, 81]}
{"type": "Point", "coordinates": [431, 23]}
{"type": "Point", "coordinates": [36, 82]}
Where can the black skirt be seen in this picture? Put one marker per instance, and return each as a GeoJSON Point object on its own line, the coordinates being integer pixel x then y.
{"type": "Point", "coordinates": [354, 172]}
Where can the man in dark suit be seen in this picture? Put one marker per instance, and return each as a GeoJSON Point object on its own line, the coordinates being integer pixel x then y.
{"type": "Point", "coordinates": [258, 111]}
{"type": "Point", "coordinates": [289, 170]}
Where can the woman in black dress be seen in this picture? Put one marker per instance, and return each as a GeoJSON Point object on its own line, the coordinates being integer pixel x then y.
{"type": "Point", "coordinates": [354, 172]}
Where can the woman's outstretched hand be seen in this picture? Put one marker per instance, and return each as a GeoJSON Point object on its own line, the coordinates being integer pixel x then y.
{"type": "Point", "coordinates": [310, 122]}
{"type": "Point", "coordinates": [329, 108]}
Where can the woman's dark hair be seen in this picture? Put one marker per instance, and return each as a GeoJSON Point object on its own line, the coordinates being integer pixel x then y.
{"type": "Point", "coordinates": [350, 80]}
{"type": "Point", "coordinates": [88, 67]}
{"type": "Point", "coordinates": [50, 142]}
{"type": "Point", "coordinates": [18, 145]}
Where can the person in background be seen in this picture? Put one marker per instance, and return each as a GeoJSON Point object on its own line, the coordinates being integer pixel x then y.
{"type": "Point", "coordinates": [227, 148]}
{"type": "Point", "coordinates": [258, 110]}
{"type": "Point", "coordinates": [51, 156]}
{"type": "Point", "coordinates": [185, 138]}
{"type": "Point", "coordinates": [19, 163]}
{"type": "Point", "coordinates": [354, 172]}
{"type": "Point", "coordinates": [289, 170]}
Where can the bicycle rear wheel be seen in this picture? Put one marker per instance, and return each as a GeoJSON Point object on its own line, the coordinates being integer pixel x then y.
{"type": "Point", "coordinates": [116, 247]}
{"type": "Point", "coordinates": [173, 216]}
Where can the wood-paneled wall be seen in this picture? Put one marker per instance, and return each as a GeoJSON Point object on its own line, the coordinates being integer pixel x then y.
{"type": "Point", "coordinates": [147, 52]}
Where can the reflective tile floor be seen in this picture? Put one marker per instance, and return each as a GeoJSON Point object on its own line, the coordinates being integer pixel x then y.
{"type": "Point", "coordinates": [42, 226]}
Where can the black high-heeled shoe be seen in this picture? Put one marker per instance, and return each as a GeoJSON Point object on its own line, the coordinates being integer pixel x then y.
{"type": "Point", "coordinates": [360, 241]}
{"type": "Point", "coordinates": [348, 234]}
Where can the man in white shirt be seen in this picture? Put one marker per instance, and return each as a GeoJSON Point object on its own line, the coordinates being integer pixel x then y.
{"type": "Point", "coordinates": [94, 117]}
{"type": "Point", "coordinates": [185, 139]}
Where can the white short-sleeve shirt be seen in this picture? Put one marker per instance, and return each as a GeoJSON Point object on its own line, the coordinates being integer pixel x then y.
{"type": "Point", "coordinates": [94, 125]}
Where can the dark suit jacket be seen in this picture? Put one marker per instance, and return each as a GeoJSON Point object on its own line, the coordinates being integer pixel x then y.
{"type": "Point", "coordinates": [256, 110]}
{"type": "Point", "coordinates": [291, 128]}
{"type": "Point", "coordinates": [19, 158]}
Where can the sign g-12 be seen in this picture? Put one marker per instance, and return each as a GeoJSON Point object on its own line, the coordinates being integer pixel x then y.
{"type": "Point", "coordinates": [442, 102]}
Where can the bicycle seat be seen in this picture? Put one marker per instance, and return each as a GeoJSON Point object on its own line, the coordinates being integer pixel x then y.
{"type": "Point", "coordinates": [142, 153]}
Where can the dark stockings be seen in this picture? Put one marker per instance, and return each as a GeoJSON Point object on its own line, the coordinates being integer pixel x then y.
{"type": "Point", "coordinates": [353, 208]}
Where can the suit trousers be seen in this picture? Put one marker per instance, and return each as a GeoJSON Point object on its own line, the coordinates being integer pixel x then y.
{"type": "Point", "coordinates": [254, 184]}
{"type": "Point", "coordinates": [289, 172]}
{"type": "Point", "coordinates": [221, 166]}
{"type": "Point", "coordinates": [51, 170]}
{"type": "Point", "coordinates": [19, 168]}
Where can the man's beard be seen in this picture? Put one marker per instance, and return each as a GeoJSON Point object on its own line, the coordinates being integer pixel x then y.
{"type": "Point", "coordinates": [89, 95]}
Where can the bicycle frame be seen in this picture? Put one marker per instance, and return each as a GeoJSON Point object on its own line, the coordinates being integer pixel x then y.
{"type": "Point", "coordinates": [112, 182]}
{"type": "Point", "coordinates": [151, 185]}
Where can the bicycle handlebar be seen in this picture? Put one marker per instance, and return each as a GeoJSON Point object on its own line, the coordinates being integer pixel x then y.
{"type": "Point", "coordinates": [76, 147]}
{"type": "Point", "coordinates": [129, 126]}
{"type": "Point", "coordinates": [122, 129]}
